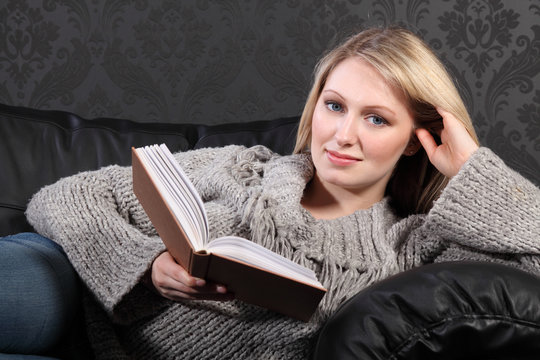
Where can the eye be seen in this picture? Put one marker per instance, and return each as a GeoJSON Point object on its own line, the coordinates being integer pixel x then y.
{"type": "Point", "coordinates": [334, 106]}
{"type": "Point", "coordinates": [377, 120]}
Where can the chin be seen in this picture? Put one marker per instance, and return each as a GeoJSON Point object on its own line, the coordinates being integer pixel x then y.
{"type": "Point", "coordinates": [343, 183]}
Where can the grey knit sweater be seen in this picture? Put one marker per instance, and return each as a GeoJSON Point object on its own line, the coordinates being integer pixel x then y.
{"type": "Point", "coordinates": [487, 212]}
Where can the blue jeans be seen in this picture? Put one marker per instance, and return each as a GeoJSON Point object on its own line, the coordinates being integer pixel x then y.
{"type": "Point", "coordinates": [39, 296]}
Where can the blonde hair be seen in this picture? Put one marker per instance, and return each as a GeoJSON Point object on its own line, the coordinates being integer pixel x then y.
{"type": "Point", "coordinates": [409, 65]}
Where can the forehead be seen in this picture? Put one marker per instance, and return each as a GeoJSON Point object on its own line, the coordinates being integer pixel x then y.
{"type": "Point", "coordinates": [354, 73]}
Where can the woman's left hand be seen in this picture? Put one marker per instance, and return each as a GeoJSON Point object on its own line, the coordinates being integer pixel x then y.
{"type": "Point", "coordinates": [456, 146]}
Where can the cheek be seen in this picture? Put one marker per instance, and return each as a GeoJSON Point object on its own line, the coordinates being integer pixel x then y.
{"type": "Point", "coordinates": [319, 130]}
{"type": "Point", "coordinates": [385, 149]}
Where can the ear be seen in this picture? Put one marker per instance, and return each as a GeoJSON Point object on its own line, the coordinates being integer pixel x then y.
{"type": "Point", "coordinates": [413, 146]}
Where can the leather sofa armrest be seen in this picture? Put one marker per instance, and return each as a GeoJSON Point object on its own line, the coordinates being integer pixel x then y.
{"type": "Point", "coordinates": [458, 310]}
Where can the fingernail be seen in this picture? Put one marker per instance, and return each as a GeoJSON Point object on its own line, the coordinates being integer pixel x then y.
{"type": "Point", "coordinates": [200, 282]}
{"type": "Point", "coordinates": [221, 289]}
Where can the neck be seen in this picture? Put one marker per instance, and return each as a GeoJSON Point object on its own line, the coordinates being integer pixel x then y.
{"type": "Point", "coordinates": [329, 201]}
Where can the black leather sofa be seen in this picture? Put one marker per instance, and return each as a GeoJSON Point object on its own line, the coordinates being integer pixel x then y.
{"type": "Point", "coordinates": [449, 311]}
{"type": "Point", "coordinates": [39, 147]}
{"type": "Point", "coordinates": [442, 311]}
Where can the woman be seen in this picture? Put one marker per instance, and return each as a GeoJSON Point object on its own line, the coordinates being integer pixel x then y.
{"type": "Point", "coordinates": [379, 184]}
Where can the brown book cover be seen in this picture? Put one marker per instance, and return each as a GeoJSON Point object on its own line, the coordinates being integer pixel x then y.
{"type": "Point", "coordinates": [250, 283]}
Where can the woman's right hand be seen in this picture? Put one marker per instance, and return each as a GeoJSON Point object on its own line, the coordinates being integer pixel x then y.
{"type": "Point", "coordinates": [173, 282]}
{"type": "Point", "coordinates": [456, 147]}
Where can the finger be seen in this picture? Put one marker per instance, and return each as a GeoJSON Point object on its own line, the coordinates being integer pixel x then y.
{"type": "Point", "coordinates": [208, 292]}
{"type": "Point", "coordinates": [178, 278]}
{"type": "Point", "coordinates": [180, 290]}
{"type": "Point", "coordinates": [176, 295]}
{"type": "Point", "coordinates": [427, 141]}
{"type": "Point", "coordinates": [173, 282]}
{"type": "Point", "coordinates": [188, 284]}
{"type": "Point", "coordinates": [167, 275]}
{"type": "Point", "coordinates": [456, 132]}
{"type": "Point", "coordinates": [444, 114]}
{"type": "Point", "coordinates": [197, 285]}
{"type": "Point", "coordinates": [182, 276]}
{"type": "Point", "coordinates": [450, 122]}
{"type": "Point", "coordinates": [175, 272]}
{"type": "Point", "coordinates": [452, 128]}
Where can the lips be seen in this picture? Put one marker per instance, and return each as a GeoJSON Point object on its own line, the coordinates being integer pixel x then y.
{"type": "Point", "coordinates": [340, 159]}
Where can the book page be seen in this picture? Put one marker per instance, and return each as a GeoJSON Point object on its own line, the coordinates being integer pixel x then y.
{"type": "Point", "coordinates": [195, 199]}
{"type": "Point", "coordinates": [183, 191]}
{"type": "Point", "coordinates": [176, 194]}
{"type": "Point", "coordinates": [254, 254]}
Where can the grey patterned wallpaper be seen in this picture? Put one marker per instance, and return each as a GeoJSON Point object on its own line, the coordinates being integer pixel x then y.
{"type": "Point", "coordinates": [239, 60]}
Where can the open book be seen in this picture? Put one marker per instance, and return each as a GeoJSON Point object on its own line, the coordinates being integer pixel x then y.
{"type": "Point", "coordinates": [253, 273]}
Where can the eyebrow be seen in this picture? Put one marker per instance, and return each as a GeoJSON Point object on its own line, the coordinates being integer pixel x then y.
{"type": "Point", "coordinates": [369, 107]}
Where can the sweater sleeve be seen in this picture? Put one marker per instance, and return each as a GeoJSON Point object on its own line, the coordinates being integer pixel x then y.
{"type": "Point", "coordinates": [487, 208]}
{"type": "Point", "coordinates": [103, 229]}
{"type": "Point", "coordinates": [98, 222]}
{"type": "Point", "coordinates": [490, 207]}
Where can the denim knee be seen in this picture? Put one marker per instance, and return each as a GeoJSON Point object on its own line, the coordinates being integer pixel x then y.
{"type": "Point", "coordinates": [39, 294]}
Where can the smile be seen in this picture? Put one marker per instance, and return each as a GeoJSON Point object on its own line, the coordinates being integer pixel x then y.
{"type": "Point", "coordinates": [339, 159]}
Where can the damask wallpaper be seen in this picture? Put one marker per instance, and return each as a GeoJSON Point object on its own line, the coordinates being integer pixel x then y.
{"type": "Point", "coordinates": [239, 60]}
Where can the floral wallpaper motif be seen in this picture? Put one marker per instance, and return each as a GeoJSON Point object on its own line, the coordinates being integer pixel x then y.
{"type": "Point", "coordinates": [239, 60]}
{"type": "Point", "coordinates": [26, 41]}
{"type": "Point", "coordinates": [479, 31]}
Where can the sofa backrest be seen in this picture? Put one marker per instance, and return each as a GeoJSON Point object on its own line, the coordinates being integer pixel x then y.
{"type": "Point", "coordinates": [39, 147]}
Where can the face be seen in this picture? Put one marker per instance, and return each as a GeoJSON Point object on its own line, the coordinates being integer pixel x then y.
{"type": "Point", "coordinates": [360, 128]}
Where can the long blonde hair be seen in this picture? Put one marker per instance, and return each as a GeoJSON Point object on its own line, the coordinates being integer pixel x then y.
{"type": "Point", "coordinates": [409, 65]}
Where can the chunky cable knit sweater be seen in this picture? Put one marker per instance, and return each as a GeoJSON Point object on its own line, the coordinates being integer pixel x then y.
{"type": "Point", "coordinates": [487, 212]}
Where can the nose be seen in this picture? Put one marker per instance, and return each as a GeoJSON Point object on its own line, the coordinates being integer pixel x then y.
{"type": "Point", "coordinates": [346, 131]}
